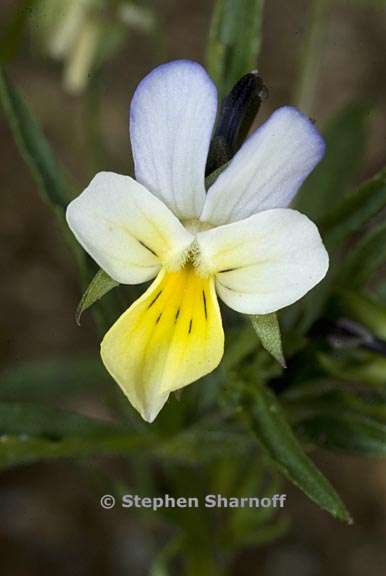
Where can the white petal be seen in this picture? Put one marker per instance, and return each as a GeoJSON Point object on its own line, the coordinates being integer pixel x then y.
{"type": "Point", "coordinates": [171, 120]}
{"type": "Point", "coordinates": [129, 232]}
{"type": "Point", "coordinates": [268, 169]}
{"type": "Point", "coordinates": [265, 262]}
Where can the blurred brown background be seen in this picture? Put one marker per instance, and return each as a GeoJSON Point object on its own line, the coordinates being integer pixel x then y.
{"type": "Point", "coordinates": [49, 520]}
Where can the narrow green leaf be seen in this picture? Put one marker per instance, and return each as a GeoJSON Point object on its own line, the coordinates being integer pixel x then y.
{"type": "Point", "coordinates": [355, 366]}
{"type": "Point", "coordinates": [346, 431]}
{"type": "Point", "coordinates": [355, 210]}
{"type": "Point", "coordinates": [361, 308]}
{"type": "Point", "coordinates": [268, 331]}
{"type": "Point", "coordinates": [160, 564]}
{"type": "Point", "coordinates": [13, 30]}
{"type": "Point", "coordinates": [18, 418]}
{"type": "Point", "coordinates": [33, 145]}
{"type": "Point", "coordinates": [234, 41]}
{"type": "Point", "coordinates": [364, 259]}
{"type": "Point", "coordinates": [100, 285]}
{"type": "Point", "coordinates": [345, 138]}
{"type": "Point", "coordinates": [52, 182]}
{"type": "Point", "coordinates": [51, 378]}
{"type": "Point", "coordinates": [31, 433]}
{"type": "Point", "coordinates": [37, 154]}
{"type": "Point", "coordinates": [274, 433]}
{"type": "Point", "coordinates": [316, 30]}
{"type": "Point", "coordinates": [16, 450]}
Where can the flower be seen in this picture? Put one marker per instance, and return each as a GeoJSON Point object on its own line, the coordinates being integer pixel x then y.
{"type": "Point", "coordinates": [238, 240]}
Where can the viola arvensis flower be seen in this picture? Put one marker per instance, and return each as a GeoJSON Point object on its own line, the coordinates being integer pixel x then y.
{"type": "Point", "coordinates": [238, 240]}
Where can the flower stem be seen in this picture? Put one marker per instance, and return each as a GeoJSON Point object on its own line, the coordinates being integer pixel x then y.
{"type": "Point", "coordinates": [312, 55]}
{"type": "Point", "coordinates": [201, 562]}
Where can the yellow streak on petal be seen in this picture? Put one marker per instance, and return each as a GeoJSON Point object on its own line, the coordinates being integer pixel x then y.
{"type": "Point", "coordinates": [168, 338]}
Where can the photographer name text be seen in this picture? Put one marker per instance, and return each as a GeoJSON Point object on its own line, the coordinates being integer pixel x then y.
{"type": "Point", "coordinates": [208, 501]}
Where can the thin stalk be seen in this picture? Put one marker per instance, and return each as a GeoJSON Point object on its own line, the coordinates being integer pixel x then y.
{"type": "Point", "coordinates": [200, 561]}
{"type": "Point", "coordinates": [92, 119]}
{"type": "Point", "coordinates": [312, 55]}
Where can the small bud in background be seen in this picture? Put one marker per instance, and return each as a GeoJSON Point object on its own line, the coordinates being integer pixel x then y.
{"type": "Point", "coordinates": [137, 17]}
{"type": "Point", "coordinates": [353, 321]}
{"type": "Point", "coordinates": [349, 334]}
{"type": "Point", "coordinates": [85, 33]}
{"type": "Point", "coordinates": [81, 58]}
{"type": "Point", "coordinates": [238, 111]}
{"type": "Point", "coordinates": [70, 17]}
{"type": "Point", "coordinates": [55, 24]}
{"type": "Point", "coordinates": [359, 353]}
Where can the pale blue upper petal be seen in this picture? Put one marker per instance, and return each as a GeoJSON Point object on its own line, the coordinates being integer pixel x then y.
{"type": "Point", "coordinates": [268, 170]}
{"type": "Point", "coordinates": [171, 121]}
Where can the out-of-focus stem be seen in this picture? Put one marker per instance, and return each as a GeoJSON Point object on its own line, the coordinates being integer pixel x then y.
{"type": "Point", "coordinates": [92, 122]}
{"type": "Point", "coordinates": [312, 55]}
{"type": "Point", "coordinates": [199, 562]}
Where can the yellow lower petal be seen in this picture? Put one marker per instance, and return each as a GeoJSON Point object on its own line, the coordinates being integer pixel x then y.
{"type": "Point", "coordinates": [168, 338]}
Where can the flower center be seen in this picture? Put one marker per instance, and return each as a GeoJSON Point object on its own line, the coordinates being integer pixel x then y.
{"type": "Point", "coordinates": [190, 259]}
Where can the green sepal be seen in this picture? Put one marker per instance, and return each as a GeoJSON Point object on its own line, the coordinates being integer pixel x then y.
{"type": "Point", "coordinates": [100, 285]}
{"type": "Point", "coordinates": [267, 329]}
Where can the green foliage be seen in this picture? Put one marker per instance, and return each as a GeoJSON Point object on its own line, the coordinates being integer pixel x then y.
{"type": "Point", "coordinates": [342, 421]}
{"type": "Point", "coordinates": [30, 433]}
{"type": "Point", "coordinates": [33, 146]}
{"type": "Point", "coordinates": [311, 54]}
{"type": "Point", "coordinates": [234, 41]}
{"type": "Point", "coordinates": [37, 154]}
{"type": "Point", "coordinates": [354, 211]}
{"type": "Point", "coordinates": [362, 308]}
{"type": "Point", "coordinates": [53, 185]}
{"type": "Point", "coordinates": [160, 565]}
{"type": "Point", "coordinates": [333, 178]}
{"type": "Point", "coordinates": [51, 378]}
{"type": "Point", "coordinates": [366, 258]}
{"type": "Point", "coordinates": [11, 33]}
{"type": "Point", "coordinates": [355, 366]}
{"type": "Point", "coordinates": [99, 286]}
{"type": "Point", "coordinates": [347, 432]}
{"type": "Point", "coordinates": [273, 432]}
{"type": "Point", "coordinates": [31, 420]}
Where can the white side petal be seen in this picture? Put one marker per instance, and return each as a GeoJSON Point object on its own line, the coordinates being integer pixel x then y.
{"type": "Point", "coordinates": [265, 262]}
{"type": "Point", "coordinates": [171, 120]}
{"type": "Point", "coordinates": [268, 170]}
{"type": "Point", "coordinates": [129, 232]}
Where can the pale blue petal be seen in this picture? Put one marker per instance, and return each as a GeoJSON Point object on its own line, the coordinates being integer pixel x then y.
{"type": "Point", "coordinates": [171, 121]}
{"type": "Point", "coordinates": [268, 170]}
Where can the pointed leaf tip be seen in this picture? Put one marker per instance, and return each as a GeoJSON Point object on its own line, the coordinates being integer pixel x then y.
{"type": "Point", "coordinates": [100, 285]}
{"type": "Point", "coordinates": [268, 422]}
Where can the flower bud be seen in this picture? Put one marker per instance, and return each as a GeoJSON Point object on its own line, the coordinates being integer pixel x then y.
{"type": "Point", "coordinates": [238, 111]}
